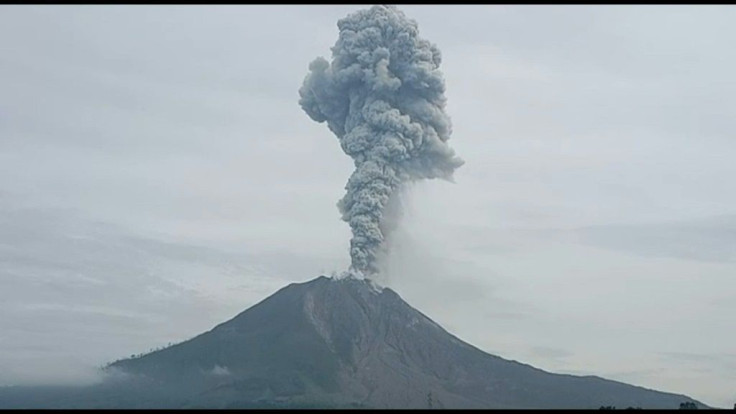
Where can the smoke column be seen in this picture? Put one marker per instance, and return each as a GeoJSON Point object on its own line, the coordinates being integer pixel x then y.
{"type": "Point", "coordinates": [383, 97]}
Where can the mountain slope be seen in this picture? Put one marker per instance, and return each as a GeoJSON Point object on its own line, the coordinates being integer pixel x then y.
{"type": "Point", "coordinates": [339, 343]}
{"type": "Point", "coordinates": [349, 342]}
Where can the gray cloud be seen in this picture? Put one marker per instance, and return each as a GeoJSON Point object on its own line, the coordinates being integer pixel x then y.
{"type": "Point", "coordinates": [706, 239]}
{"type": "Point", "coordinates": [597, 140]}
{"type": "Point", "coordinates": [71, 284]}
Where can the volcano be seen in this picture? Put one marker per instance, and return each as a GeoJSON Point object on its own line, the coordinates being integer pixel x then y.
{"type": "Point", "coordinates": [338, 343]}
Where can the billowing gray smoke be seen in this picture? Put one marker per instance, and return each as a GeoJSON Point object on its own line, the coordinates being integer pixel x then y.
{"type": "Point", "coordinates": [383, 96]}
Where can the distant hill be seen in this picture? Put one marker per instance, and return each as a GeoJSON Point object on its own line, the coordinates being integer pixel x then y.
{"type": "Point", "coordinates": [335, 343]}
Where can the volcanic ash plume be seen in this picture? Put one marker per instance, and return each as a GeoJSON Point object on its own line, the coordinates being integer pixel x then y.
{"type": "Point", "coordinates": [383, 96]}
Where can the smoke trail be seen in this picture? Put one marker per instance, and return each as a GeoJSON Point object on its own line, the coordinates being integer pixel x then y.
{"type": "Point", "coordinates": [383, 96]}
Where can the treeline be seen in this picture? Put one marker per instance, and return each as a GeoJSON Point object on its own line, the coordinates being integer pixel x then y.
{"type": "Point", "coordinates": [687, 405]}
{"type": "Point", "coordinates": [142, 354]}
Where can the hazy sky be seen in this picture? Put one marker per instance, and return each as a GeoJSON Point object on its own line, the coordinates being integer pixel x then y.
{"type": "Point", "coordinates": [157, 176]}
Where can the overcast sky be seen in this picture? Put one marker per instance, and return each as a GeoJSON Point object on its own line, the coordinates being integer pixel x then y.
{"type": "Point", "coordinates": [157, 177]}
